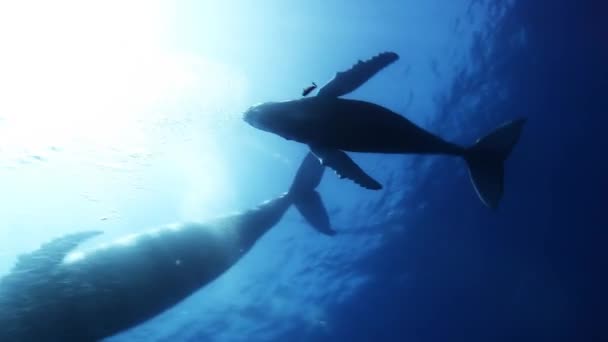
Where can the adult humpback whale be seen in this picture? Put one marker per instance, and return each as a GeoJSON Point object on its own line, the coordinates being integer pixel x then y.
{"type": "Point", "coordinates": [330, 125]}
{"type": "Point", "coordinates": [86, 297]}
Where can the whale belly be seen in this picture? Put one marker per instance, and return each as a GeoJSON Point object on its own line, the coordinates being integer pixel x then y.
{"type": "Point", "coordinates": [113, 288]}
{"type": "Point", "coordinates": [136, 282]}
{"type": "Point", "coordinates": [360, 126]}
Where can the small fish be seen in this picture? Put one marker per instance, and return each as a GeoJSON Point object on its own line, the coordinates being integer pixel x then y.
{"type": "Point", "coordinates": [309, 89]}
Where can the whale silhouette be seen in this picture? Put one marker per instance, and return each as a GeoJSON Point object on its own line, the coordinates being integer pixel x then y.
{"type": "Point", "coordinates": [100, 292]}
{"type": "Point", "coordinates": [330, 125]}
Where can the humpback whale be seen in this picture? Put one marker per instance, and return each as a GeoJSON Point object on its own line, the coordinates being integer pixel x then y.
{"type": "Point", "coordinates": [331, 125]}
{"type": "Point", "coordinates": [56, 295]}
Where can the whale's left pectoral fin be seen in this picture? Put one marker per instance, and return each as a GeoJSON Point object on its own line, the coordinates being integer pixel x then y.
{"type": "Point", "coordinates": [346, 81]}
{"type": "Point", "coordinates": [51, 253]}
{"type": "Point", "coordinates": [345, 167]}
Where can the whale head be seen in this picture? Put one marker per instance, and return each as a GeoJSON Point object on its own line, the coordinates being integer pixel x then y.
{"type": "Point", "coordinates": [281, 118]}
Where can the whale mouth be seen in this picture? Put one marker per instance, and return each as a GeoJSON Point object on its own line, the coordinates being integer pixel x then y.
{"type": "Point", "coordinates": [252, 116]}
{"type": "Point", "coordinates": [261, 117]}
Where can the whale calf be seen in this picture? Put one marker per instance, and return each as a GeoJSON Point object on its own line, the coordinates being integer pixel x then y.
{"type": "Point", "coordinates": [53, 295]}
{"type": "Point", "coordinates": [330, 125]}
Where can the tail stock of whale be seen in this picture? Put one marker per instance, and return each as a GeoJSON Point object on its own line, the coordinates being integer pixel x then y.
{"type": "Point", "coordinates": [486, 161]}
{"type": "Point", "coordinates": [306, 199]}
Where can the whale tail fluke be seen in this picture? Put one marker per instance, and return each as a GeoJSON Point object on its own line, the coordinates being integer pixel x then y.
{"type": "Point", "coordinates": [486, 158]}
{"type": "Point", "coordinates": [306, 199]}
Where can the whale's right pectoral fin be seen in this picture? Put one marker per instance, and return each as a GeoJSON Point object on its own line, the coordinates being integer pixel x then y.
{"type": "Point", "coordinates": [51, 253]}
{"type": "Point", "coordinates": [345, 167]}
{"type": "Point", "coordinates": [351, 79]}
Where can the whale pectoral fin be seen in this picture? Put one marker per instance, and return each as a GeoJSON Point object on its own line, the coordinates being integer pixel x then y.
{"type": "Point", "coordinates": [51, 253]}
{"type": "Point", "coordinates": [349, 80]}
{"type": "Point", "coordinates": [345, 167]}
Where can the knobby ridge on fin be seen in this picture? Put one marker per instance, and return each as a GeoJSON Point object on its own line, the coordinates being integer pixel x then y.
{"type": "Point", "coordinates": [351, 79]}
{"type": "Point", "coordinates": [345, 167]}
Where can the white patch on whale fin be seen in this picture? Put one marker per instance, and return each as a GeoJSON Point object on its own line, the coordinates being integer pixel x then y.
{"type": "Point", "coordinates": [51, 253]}
{"type": "Point", "coordinates": [346, 81]}
{"type": "Point", "coordinates": [345, 167]}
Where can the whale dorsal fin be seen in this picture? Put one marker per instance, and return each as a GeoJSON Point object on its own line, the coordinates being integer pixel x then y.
{"type": "Point", "coordinates": [51, 253]}
{"type": "Point", "coordinates": [346, 81]}
{"type": "Point", "coordinates": [345, 167]}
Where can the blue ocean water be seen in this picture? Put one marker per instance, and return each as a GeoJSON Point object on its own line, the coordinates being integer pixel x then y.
{"type": "Point", "coordinates": [421, 260]}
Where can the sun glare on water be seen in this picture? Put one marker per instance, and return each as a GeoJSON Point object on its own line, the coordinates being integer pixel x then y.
{"type": "Point", "coordinates": [97, 83]}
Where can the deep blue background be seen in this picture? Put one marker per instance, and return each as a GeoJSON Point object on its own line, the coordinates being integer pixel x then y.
{"type": "Point", "coordinates": [536, 269]}
{"type": "Point", "coordinates": [421, 260]}
{"type": "Point", "coordinates": [445, 267]}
